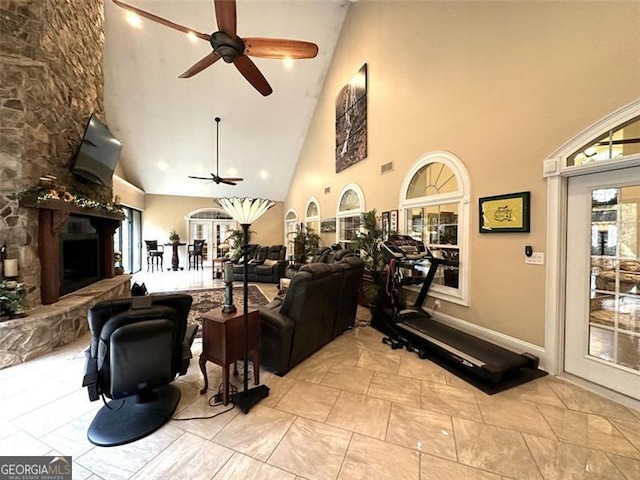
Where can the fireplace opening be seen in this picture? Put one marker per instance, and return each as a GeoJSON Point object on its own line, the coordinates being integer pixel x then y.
{"type": "Point", "coordinates": [79, 254]}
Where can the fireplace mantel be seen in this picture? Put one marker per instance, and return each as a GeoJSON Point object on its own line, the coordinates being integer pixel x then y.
{"type": "Point", "coordinates": [53, 215]}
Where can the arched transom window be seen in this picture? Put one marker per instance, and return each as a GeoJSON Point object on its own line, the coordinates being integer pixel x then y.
{"type": "Point", "coordinates": [434, 206]}
{"type": "Point", "coordinates": [350, 209]}
{"type": "Point", "coordinates": [312, 215]}
{"type": "Point", "coordinates": [621, 141]}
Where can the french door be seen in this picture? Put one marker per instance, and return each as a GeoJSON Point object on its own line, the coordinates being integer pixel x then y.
{"type": "Point", "coordinates": [214, 232]}
{"type": "Point", "coordinates": [602, 317]}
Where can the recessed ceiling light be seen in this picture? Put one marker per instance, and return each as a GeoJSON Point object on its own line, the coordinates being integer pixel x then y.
{"type": "Point", "coordinates": [288, 63]}
{"type": "Point", "coordinates": [162, 165]}
{"type": "Point", "coordinates": [192, 37]}
{"type": "Point", "coordinates": [264, 174]}
{"type": "Point", "coordinates": [133, 19]}
{"type": "Point", "coordinates": [232, 172]}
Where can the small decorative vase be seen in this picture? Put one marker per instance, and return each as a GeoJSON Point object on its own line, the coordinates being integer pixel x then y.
{"type": "Point", "coordinates": [118, 270]}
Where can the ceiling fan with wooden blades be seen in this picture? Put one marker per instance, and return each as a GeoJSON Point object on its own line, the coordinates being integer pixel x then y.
{"type": "Point", "coordinates": [217, 178]}
{"type": "Point", "coordinates": [231, 48]}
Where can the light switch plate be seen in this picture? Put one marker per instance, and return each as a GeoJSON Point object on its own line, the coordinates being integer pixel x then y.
{"type": "Point", "coordinates": [537, 258]}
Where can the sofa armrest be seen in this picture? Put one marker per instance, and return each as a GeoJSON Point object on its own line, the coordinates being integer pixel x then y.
{"type": "Point", "coordinates": [275, 303]}
{"type": "Point", "coordinates": [276, 338]}
{"type": "Point", "coordinates": [90, 379]}
{"type": "Point", "coordinates": [275, 319]}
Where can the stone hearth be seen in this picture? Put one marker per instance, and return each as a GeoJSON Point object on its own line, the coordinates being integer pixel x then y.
{"type": "Point", "coordinates": [51, 326]}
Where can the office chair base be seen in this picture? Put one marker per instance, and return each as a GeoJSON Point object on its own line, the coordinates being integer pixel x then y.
{"type": "Point", "coordinates": [133, 420]}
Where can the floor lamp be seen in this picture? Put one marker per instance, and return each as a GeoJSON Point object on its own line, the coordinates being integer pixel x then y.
{"type": "Point", "coordinates": [245, 211]}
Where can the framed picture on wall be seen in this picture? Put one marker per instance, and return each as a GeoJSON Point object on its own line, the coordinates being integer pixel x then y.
{"type": "Point", "coordinates": [385, 226]}
{"type": "Point", "coordinates": [328, 225]}
{"type": "Point", "coordinates": [351, 121]}
{"type": "Point", "coordinates": [505, 213]}
{"type": "Point", "coordinates": [393, 220]}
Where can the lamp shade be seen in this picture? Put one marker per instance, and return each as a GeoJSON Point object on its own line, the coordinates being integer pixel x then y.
{"type": "Point", "coordinates": [245, 210]}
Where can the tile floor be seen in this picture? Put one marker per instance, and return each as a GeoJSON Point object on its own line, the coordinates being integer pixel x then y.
{"type": "Point", "coordinates": [354, 410]}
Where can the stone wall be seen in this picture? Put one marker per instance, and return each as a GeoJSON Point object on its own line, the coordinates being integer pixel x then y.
{"type": "Point", "coordinates": [51, 81]}
{"type": "Point", "coordinates": [51, 326]}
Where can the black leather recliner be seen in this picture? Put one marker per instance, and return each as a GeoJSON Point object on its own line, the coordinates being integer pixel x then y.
{"type": "Point", "coordinates": [273, 267]}
{"type": "Point", "coordinates": [258, 257]}
{"type": "Point", "coordinates": [319, 305]}
{"type": "Point", "coordinates": [139, 345]}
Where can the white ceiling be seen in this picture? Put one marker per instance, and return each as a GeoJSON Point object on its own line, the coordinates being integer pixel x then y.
{"type": "Point", "coordinates": [166, 124]}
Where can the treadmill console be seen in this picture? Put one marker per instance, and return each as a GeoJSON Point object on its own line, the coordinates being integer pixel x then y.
{"type": "Point", "coordinates": [405, 247]}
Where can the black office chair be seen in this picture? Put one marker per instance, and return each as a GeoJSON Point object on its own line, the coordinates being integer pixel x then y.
{"type": "Point", "coordinates": [155, 254]}
{"type": "Point", "coordinates": [139, 345]}
{"type": "Point", "coordinates": [196, 254]}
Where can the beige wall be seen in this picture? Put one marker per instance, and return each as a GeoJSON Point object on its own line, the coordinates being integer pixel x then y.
{"type": "Point", "coordinates": [499, 84]}
{"type": "Point", "coordinates": [129, 194]}
{"type": "Point", "coordinates": [166, 212]}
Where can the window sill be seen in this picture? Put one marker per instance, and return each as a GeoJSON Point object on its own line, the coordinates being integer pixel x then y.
{"type": "Point", "coordinates": [438, 292]}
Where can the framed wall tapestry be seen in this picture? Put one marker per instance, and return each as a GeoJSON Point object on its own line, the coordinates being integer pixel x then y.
{"type": "Point", "coordinates": [505, 213]}
{"type": "Point", "coordinates": [351, 121]}
{"type": "Point", "coordinates": [328, 225]}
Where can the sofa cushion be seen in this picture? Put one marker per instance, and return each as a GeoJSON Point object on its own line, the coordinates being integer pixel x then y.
{"type": "Point", "coordinates": [269, 263]}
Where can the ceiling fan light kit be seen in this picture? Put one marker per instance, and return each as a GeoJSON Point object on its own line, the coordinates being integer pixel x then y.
{"type": "Point", "coordinates": [232, 48]}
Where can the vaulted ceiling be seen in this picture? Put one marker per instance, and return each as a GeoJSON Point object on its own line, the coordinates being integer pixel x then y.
{"type": "Point", "coordinates": [166, 124]}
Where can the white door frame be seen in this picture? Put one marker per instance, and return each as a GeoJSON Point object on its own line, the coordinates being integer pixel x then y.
{"type": "Point", "coordinates": [557, 172]}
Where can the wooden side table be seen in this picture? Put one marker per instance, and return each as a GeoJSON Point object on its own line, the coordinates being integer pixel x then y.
{"type": "Point", "coordinates": [218, 267]}
{"type": "Point", "coordinates": [223, 344]}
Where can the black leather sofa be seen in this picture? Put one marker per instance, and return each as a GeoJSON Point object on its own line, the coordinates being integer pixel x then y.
{"type": "Point", "coordinates": [319, 305]}
{"type": "Point", "coordinates": [267, 264]}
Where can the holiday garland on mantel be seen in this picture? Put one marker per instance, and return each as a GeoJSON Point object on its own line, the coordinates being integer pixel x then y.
{"type": "Point", "coordinates": [39, 194]}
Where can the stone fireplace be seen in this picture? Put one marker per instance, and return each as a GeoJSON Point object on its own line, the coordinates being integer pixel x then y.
{"type": "Point", "coordinates": [51, 81]}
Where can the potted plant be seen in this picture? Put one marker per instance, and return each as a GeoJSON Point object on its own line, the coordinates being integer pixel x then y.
{"type": "Point", "coordinates": [367, 243]}
{"type": "Point", "coordinates": [174, 237]}
{"type": "Point", "coordinates": [12, 299]}
{"type": "Point", "coordinates": [235, 238]}
{"type": "Point", "coordinates": [305, 243]}
{"type": "Point", "coordinates": [117, 262]}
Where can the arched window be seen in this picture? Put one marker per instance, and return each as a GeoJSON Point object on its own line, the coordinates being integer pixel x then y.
{"type": "Point", "coordinates": [290, 226]}
{"type": "Point", "coordinates": [434, 203]}
{"type": "Point", "coordinates": [620, 141]}
{"type": "Point", "coordinates": [349, 215]}
{"type": "Point", "coordinates": [312, 215]}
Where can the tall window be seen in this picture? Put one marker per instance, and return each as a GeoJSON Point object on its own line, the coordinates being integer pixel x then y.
{"type": "Point", "coordinates": [435, 209]}
{"type": "Point", "coordinates": [348, 218]}
{"type": "Point", "coordinates": [312, 215]}
{"type": "Point", "coordinates": [290, 225]}
{"type": "Point", "coordinates": [128, 240]}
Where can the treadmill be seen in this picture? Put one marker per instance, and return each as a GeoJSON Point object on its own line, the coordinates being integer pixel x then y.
{"type": "Point", "coordinates": [415, 329]}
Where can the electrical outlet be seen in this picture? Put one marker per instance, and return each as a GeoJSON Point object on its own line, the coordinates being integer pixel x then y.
{"type": "Point", "coordinates": [536, 258]}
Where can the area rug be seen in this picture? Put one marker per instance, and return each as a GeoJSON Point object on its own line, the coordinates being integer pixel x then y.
{"type": "Point", "coordinates": [213, 299]}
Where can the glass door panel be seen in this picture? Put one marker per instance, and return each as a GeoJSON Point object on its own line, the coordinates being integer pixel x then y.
{"type": "Point", "coordinates": [603, 299]}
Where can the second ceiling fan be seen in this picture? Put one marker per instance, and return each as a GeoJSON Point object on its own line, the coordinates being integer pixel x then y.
{"type": "Point", "coordinates": [229, 46]}
{"type": "Point", "coordinates": [216, 177]}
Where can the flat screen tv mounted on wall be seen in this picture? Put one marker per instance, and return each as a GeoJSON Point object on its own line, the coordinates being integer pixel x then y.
{"type": "Point", "coordinates": [98, 154]}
